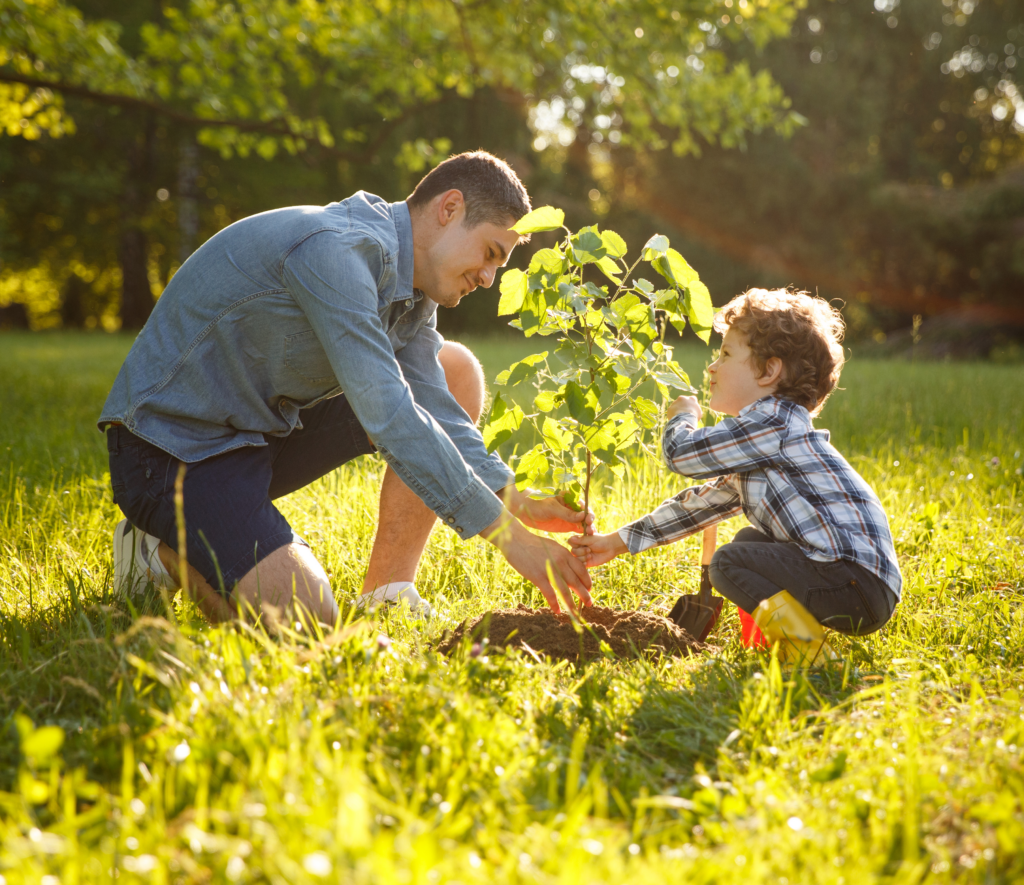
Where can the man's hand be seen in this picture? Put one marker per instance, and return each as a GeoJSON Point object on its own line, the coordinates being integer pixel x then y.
{"type": "Point", "coordinates": [595, 550]}
{"type": "Point", "coordinates": [548, 514]}
{"type": "Point", "coordinates": [547, 565]}
{"type": "Point", "coordinates": [685, 404]}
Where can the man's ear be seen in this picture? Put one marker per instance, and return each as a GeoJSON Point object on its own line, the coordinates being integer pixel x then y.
{"type": "Point", "coordinates": [772, 373]}
{"type": "Point", "coordinates": [450, 206]}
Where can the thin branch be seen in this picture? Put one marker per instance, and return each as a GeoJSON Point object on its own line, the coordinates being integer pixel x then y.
{"type": "Point", "coordinates": [133, 103]}
{"type": "Point", "coordinates": [269, 127]}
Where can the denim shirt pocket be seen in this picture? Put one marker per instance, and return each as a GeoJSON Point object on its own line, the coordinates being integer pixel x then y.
{"type": "Point", "coordinates": [304, 355]}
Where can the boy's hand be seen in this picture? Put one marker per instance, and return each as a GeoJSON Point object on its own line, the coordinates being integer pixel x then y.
{"type": "Point", "coordinates": [595, 550]}
{"type": "Point", "coordinates": [549, 514]}
{"type": "Point", "coordinates": [685, 404]}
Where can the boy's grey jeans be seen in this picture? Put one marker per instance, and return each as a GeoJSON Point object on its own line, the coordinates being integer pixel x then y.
{"type": "Point", "coordinates": [842, 595]}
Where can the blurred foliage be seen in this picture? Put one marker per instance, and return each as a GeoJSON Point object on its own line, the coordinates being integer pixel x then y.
{"type": "Point", "coordinates": [902, 194]}
{"type": "Point", "coordinates": [340, 86]}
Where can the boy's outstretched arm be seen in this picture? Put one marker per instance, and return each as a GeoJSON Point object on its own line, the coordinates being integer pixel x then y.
{"type": "Point", "coordinates": [691, 511]}
{"type": "Point", "coordinates": [595, 550]}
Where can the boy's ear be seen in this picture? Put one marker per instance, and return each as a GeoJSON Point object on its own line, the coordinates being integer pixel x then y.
{"type": "Point", "coordinates": [772, 373]}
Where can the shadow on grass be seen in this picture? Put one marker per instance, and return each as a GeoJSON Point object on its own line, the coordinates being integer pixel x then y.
{"type": "Point", "coordinates": [95, 668]}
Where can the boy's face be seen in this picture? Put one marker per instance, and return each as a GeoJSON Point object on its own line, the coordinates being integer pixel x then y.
{"type": "Point", "coordinates": [735, 381]}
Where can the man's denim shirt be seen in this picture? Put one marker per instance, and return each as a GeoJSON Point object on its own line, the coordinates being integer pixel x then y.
{"type": "Point", "coordinates": [284, 309]}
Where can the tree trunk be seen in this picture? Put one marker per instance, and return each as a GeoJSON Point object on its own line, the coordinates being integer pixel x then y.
{"type": "Point", "coordinates": [72, 306]}
{"type": "Point", "coordinates": [188, 212]}
{"type": "Point", "coordinates": [136, 296]}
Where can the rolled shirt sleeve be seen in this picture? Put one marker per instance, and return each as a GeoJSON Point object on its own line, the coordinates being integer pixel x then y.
{"type": "Point", "coordinates": [407, 435]}
{"type": "Point", "coordinates": [750, 441]}
{"type": "Point", "coordinates": [426, 379]}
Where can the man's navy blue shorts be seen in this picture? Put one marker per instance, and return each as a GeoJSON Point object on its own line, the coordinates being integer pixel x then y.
{"type": "Point", "coordinates": [230, 520]}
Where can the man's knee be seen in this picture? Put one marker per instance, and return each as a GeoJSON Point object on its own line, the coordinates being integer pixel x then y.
{"type": "Point", "coordinates": [288, 578]}
{"type": "Point", "coordinates": [465, 377]}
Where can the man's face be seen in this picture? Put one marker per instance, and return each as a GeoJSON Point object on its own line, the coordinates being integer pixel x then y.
{"type": "Point", "coordinates": [462, 258]}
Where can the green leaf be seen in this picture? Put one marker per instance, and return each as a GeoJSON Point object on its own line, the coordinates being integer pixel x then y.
{"type": "Point", "coordinates": [673, 267]}
{"type": "Point", "coordinates": [582, 404]}
{"type": "Point", "coordinates": [35, 792]}
{"type": "Point", "coordinates": [587, 246]}
{"type": "Point", "coordinates": [646, 412]}
{"type": "Point", "coordinates": [547, 261]}
{"type": "Point", "coordinates": [43, 743]}
{"type": "Point", "coordinates": [600, 440]}
{"type": "Point", "coordinates": [513, 287]}
{"type": "Point", "coordinates": [525, 368]}
{"type": "Point", "coordinates": [573, 496]}
{"type": "Point", "coordinates": [666, 378]}
{"type": "Point", "coordinates": [531, 466]}
{"type": "Point", "coordinates": [617, 384]}
{"type": "Point", "coordinates": [546, 401]}
{"type": "Point", "coordinates": [556, 436]}
{"type": "Point", "coordinates": [24, 725]}
{"type": "Point", "coordinates": [642, 330]}
{"type": "Point", "coordinates": [673, 366]}
{"type": "Point", "coordinates": [655, 246]}
{"type": "Point", "coordinates": [544, 218]}
{"type": "Point", "coordinates": [626, 429]}
{"type": "Point", "coordinates": [533, 312]}
{"type": "Point", "coordinates": [614, 245]}
{"type": "Point", "coordinates": [830, 772]}
{"type": "Point", "coordinates": [699, 310]}
{"type": "Point", "coordinates": [611, 270]}
{"type": "Point", "coordinates": [621, 307]}
{"type": "Point", "coordinates": [502, 423]}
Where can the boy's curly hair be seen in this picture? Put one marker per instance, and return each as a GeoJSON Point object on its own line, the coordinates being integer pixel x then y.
{"type": "Point", "coordinates": [802, 330]}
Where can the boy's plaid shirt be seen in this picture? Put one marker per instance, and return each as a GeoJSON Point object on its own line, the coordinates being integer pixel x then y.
{"type": "Point", "coordinates": [770, 463]}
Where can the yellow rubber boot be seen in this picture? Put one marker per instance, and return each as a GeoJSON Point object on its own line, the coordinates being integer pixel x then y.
{"type": "Point", "coordinates": [801, 638]}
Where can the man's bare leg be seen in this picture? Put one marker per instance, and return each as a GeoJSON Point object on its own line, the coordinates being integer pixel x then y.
{"type": "Point", "coordinates": [288, 580]}
{"type": "Point", "coordinates": [405, 522]}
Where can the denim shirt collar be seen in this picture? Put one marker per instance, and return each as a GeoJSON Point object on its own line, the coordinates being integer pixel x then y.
{"type": "Point", "coordinates": [403, 227]}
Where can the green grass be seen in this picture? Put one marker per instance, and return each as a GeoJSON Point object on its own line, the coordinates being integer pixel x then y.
{"type": "Point", "coordinates": [191, 754]}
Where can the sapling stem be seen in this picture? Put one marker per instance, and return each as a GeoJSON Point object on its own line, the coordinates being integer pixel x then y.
{"type": "Point", "coordinates": [590, 462]}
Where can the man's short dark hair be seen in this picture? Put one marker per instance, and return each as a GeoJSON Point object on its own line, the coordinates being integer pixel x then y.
{"type": "Point", "coordinates": [492, 191]}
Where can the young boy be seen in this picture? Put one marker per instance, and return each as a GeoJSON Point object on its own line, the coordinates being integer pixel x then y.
{"type": "Point", "coordinates": [819, 530]}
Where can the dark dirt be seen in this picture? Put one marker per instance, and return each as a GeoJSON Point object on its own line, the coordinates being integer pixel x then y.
{"type": "Point", "coordinates": [629, 634]}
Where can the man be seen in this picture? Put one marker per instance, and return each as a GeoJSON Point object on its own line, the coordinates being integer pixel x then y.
{"type": "Point", "coordinates": [294, 341]}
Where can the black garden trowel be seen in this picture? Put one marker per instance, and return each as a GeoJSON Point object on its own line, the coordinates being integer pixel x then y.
{"type": "Point", "coordinates": [697, 612]}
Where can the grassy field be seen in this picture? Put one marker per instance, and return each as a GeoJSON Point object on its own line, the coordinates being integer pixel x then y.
{"type": "Point", "coordinates": [160, 750]}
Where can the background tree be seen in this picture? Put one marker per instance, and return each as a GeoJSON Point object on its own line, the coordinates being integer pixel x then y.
{"type": "Point", "coordinates": [343, 86]}
{"type": "Point", "coordinates": [903, 195]}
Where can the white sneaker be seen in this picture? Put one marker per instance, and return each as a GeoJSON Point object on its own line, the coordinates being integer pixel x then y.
{"type": "Point", "coordinates": [396, 595]}
{"type": "Point", "coordinates": [137, 562]}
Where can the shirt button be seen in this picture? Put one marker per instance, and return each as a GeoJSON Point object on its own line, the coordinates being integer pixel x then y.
{"type": "Point", "coordinates": [408, 303]}
{"type": "Point", "coordinates": [458, 528]}
{"type": "Point", "coordinates": [451, 519]}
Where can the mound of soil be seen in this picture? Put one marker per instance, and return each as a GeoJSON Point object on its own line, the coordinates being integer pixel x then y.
{"type": "Point", "coordinates": [629, 634]}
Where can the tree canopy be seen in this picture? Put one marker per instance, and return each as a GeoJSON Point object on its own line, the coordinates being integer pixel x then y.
{"type": "Point", "coordinates": [865, 150]}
